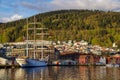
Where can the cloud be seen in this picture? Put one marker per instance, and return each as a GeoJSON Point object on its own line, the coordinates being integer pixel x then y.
{"type": "Point", "coordinates": [31, 7]}
{"type": "Point", "coordinates": [39, 6]}
{"type": "Point", "coordinates": [43, 5]}
{"type": "Point", "coordinates": [12, 18]}
{"type": "Point", "coordinates": [86, 4]}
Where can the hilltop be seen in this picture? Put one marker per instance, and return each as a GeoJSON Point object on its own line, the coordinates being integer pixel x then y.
{"type": "Point", "coordinates": [96, 27]}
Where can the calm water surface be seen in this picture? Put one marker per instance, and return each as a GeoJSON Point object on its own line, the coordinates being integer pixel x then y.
{"type": "Point", "coordinates": [61, 73]}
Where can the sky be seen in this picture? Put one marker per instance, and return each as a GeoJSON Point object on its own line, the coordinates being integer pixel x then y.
{"type": "Point", "coordinates": [11, 10]}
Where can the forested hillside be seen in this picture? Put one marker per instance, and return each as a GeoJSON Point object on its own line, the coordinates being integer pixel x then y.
{"type": "Point", "coordinates": [96, 27]}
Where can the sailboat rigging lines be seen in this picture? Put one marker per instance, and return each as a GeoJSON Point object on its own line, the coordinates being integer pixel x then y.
{"type": "Point", "coordinates": [33, 61]}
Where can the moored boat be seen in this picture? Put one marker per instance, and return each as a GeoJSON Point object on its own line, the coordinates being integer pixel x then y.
{"type": "Point", "coordinates": [112, 65]}
{"type": "Point", "coordinates": [4, 61]}
{"type": "Point", "coordinates": [64, 63]}
{"type": "Point", "coordinates": [33, 62]}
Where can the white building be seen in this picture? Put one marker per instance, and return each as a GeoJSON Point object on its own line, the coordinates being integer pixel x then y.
{"type": "Point", "coordinates": [83, 43]}
{"type": "Point", "coordinates": [114, 45]}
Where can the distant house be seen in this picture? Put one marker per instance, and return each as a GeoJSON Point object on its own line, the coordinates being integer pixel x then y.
{"type": "Point", "coordinates": [1, 45]}
{"type": "Point", "coordinates": [83, 43]}
{"type": "Point", "coordinates": [114, 45]}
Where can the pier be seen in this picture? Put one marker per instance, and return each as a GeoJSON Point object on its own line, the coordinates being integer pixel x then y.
{"type": "Point", "coordinates": [9, 66]}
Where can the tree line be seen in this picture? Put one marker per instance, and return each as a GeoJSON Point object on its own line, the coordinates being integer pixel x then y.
{"type": "Point", "coordinates": [96, 27]}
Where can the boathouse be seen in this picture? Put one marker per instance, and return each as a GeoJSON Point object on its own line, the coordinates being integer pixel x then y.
{"type": "Point", "coordinates": [115, 59]}
{"type": "Point", "coordinates": [85, 59]}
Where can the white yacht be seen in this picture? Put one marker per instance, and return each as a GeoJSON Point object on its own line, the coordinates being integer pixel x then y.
{"type": "Point", "coordinates": [33, 62]}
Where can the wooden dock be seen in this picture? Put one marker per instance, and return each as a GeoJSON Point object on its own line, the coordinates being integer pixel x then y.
{"type": "Point", "coordinates": [9, 66]}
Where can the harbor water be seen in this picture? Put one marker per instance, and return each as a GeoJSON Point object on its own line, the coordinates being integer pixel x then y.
{"type": "Point", "coordinates": [61, 73]}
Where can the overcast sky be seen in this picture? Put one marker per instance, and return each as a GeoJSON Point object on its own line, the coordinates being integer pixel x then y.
{"type": "Point", "coordinates": [11, 10]}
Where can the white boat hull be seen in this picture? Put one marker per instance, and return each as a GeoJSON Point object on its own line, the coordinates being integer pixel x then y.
{"type": "Point", "coordinates": [3, 61]}
{"type": "Point", "coordinates": [31, 62]}
{"type": "Point", "coordinates": [112, 65]}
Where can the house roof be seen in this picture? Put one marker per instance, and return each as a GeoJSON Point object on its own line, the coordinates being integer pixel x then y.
{"type": "Point", "coordinates": [116, 56]}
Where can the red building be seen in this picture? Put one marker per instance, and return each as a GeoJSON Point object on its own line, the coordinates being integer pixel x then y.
{"type": "Point", "coordinates": [86, 59]}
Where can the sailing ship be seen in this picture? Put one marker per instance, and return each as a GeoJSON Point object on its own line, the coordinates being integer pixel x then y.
{"type": "Point", "coordinates": [33, 62]}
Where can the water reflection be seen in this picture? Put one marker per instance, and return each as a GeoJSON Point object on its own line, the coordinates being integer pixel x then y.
{"type": "Point", "coordinates": [61, 73]}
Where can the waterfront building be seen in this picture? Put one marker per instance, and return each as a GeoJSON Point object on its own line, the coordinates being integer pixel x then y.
{"type": "Point", "coordinates": [85, 59]}
{"type": "Point", "coordinates": [114, 58]}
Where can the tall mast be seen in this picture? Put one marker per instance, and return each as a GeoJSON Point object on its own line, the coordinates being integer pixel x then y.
{"type": "Point", "coordinates": [34, 37]}
{"type": "Point", "coordinates": [27, 40]}
{"type": "Point", "coordinates": [36, 32]}
{"type": "Point", "coordinates": [42, 42]}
